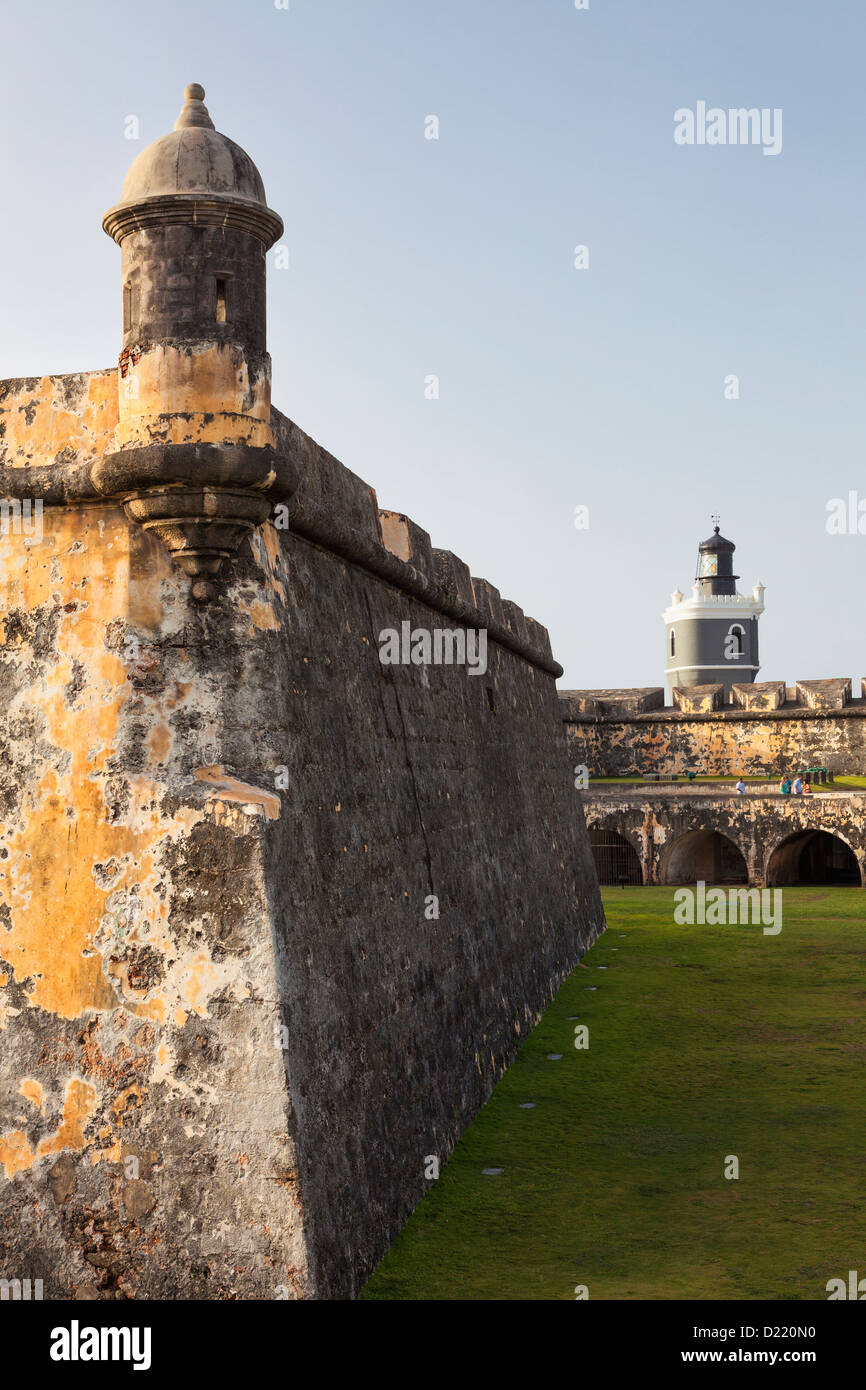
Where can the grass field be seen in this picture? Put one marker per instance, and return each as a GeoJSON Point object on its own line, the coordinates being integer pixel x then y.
{"type": "Point", "coordinates": [703, 1042]}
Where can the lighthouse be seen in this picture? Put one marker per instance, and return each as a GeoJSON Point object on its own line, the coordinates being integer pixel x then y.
{"type": "Point", "coordinates": [712, 636]}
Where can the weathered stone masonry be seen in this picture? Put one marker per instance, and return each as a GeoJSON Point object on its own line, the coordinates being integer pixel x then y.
{"type": "Point", "coordinates": [630, 732]}
{"type": "Point", "coordinates": [771, 729]}
{"type": "Point", "coordinates": [230, 1035]}
{"type": "Point", "coordinates": [767, 829]}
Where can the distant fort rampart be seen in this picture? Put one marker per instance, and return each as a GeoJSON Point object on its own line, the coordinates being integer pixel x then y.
{"type": "Point", "coordinates": [768, 730]}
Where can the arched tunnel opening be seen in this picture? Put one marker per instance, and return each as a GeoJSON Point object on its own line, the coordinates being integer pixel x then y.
{"type": "Point", "coordinates": [813, 856]}
{"type": "Point", "coordinates": [704, 855]}
{"type": "Point", "coordinates": [616, 861]}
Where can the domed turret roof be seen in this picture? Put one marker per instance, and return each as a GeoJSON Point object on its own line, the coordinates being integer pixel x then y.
{"type": "Point", "coordinates": [194, 158]}
{"type": "Point", "coordinates": [193, 162]}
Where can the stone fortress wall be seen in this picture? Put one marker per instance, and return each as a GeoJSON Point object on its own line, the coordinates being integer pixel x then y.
{"type": "Point", "coordinates": [769, 729]}
{"type": "Point", "coordinates": [231, 1034]}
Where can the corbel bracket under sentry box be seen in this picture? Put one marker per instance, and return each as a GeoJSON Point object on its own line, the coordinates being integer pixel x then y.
{"type": "Point", "coordinates": [201, 500]}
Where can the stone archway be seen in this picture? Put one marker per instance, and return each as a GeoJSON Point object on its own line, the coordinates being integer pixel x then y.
{"type": "Point", "coordinates": [813, 856]}
{"type": "Point", "coordinates": [616, 859]}
{"type": "Point", "coordinates": [706, 855]}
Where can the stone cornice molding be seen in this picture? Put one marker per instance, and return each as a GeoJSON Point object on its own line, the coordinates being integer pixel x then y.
{"type": "Point", "coordinates": [194, 209]}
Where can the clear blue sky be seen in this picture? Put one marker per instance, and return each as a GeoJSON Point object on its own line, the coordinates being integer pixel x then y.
{"type": "Point", "coordinates": [454, 257]}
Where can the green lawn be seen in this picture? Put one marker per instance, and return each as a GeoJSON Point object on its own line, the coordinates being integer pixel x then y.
{"type": "Point", "coordinates": [704, 1042]}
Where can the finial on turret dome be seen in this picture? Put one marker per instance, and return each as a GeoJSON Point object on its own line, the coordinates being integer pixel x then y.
{"type": "Point", "coordinates": [194, 112]}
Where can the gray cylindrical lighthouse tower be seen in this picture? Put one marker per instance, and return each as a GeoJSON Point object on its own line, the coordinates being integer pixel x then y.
{"type": "Point", "coordinates": [712, 637]}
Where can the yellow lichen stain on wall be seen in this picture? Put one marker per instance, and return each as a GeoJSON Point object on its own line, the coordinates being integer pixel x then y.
{"type": "Point", "coordinates": [113, 1153]}
{"type": "Point", "coordinates": [32, 1091]}
{"type": "Point", "coordinates": [199, 428]}
{"type": "Point", "coordinates": [79, 1104]}
{"type": "Point", "coordinates": [66, 825]}
{"type": "Point", "coordinates": [16, 1154]}
{"type": "Point", "coordinates": [268, 554]}
{"type": "Point", "coordinates": [47, 880]}
{"type": "Point", "coordinates": [202, 394]}
{"type": "Point", "coordinates": [78, 1107]}
{"type": "Point", "coordinates": [120, 1103]}
{"type": "Point", "coordinates": [40, 423]}
{"type": "Point", "coordinates": [261, 615]}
